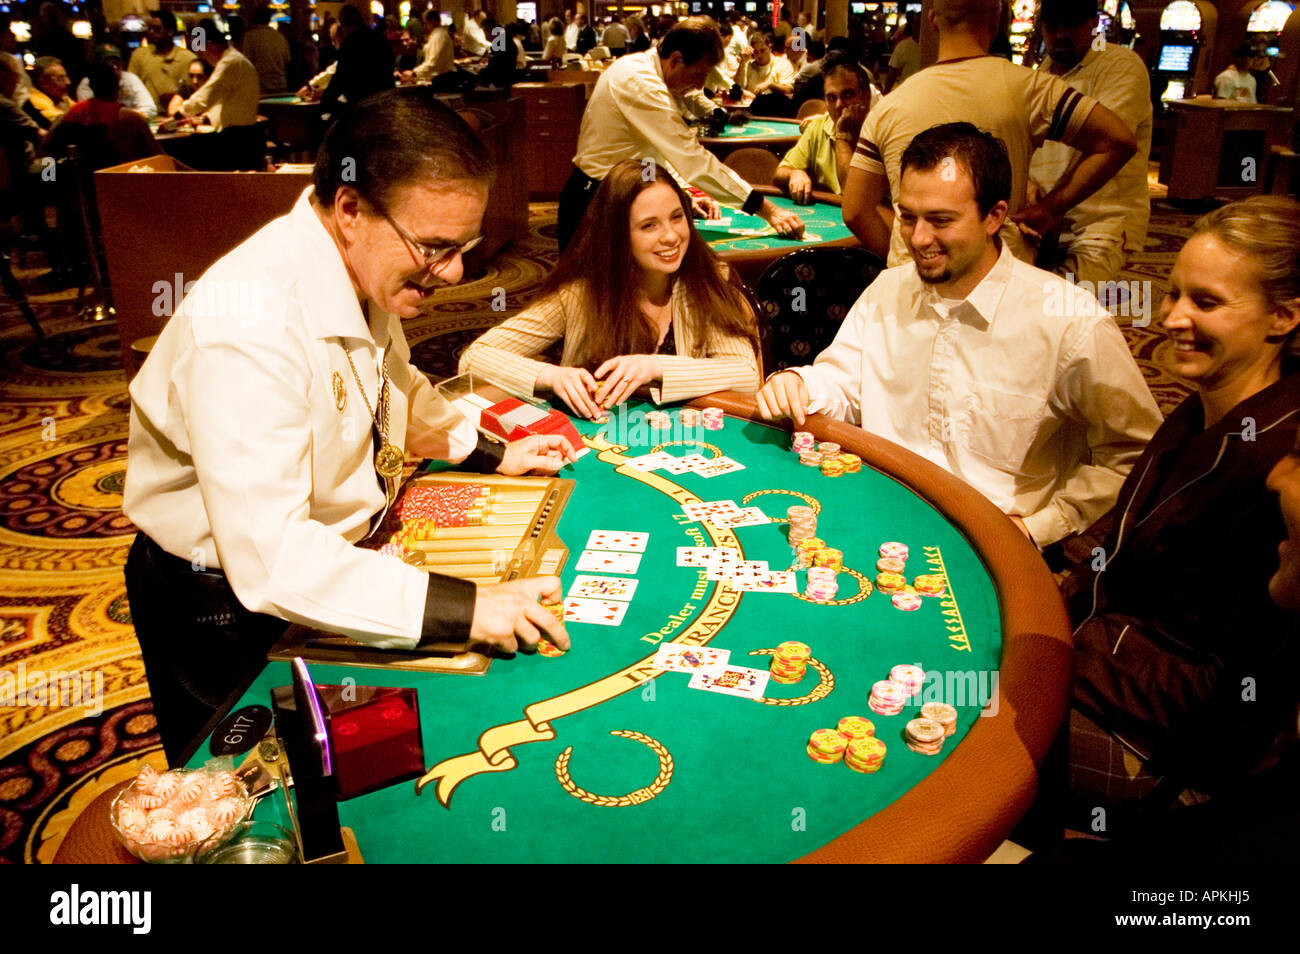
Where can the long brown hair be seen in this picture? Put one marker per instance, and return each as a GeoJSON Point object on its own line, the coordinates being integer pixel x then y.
{"type": "Point", "coordinates": [599, 262]}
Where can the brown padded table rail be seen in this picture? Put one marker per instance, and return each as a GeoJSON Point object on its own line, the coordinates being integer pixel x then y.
{"type": "Point", "coordinates": [968, 805]}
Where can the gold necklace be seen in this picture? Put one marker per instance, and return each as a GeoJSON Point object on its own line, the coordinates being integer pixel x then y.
{"type": "Point", "coordinates": [389, 460]}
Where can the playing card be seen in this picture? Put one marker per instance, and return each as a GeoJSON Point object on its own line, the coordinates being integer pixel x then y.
{"type": "Point", "coordinates": [747, 517]}
{"type": "Point", "coordinates": [600, 612]}
{"type": "Point", "coordinates": [718, 466]}
{"type": "Point", "coordinates": [608, 561]}
{"type": "Point", "coordinates": [684, 465]}
{"type": "Point", "coordinates": [694, 556]}
{"type": "Point", "coordinates": [709, 508]}
{"type": "Point", "coordinates": [625, 540]}
{"type": "Point", "coordinates": [774, 581]}
{"type": "Point", "coordinates": [649, 462]}
{"type": "Point", "coordinates": [722, 569]}
{"type": "Point", "coordinates": [675, 657]}
{"type": "Point", "coordinates": [732, 681]}
{"type": "Point", "coordinates": [603, 587]}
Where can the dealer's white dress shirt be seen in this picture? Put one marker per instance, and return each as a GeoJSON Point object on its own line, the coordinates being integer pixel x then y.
{"type": "Point", "coordinates": [632, 115]}
{"type": "Point", "coordinates": [230, 96]}
{"type": "Point", "coordinates": [1025, 389]}
{"type": "Point", "coordinates": [240, 457]}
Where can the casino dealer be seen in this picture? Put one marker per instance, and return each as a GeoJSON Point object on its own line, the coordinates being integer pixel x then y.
{"type": "Point", "coordinates": [270, 423]}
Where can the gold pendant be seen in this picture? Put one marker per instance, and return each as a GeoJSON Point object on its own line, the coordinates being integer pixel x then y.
{"type": "Point", "coordinates": [340, 392]}
{"type": "Point", "coordinates": [389, 461]}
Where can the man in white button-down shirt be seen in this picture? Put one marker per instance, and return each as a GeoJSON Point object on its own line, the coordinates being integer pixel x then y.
{"type": "Point", "coordinates": [1003, 374]}
{"type": "Point", "coordinates": [256, 420]}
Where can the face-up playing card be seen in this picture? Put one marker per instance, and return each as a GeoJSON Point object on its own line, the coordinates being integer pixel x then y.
{"type": "Point", "coordinates": [693, 556]}
{"type": "Point", "coordinates": [675, 657]}
{"type": "Point", "coordinates": [710, 508]}
{"type": "Point", "coordinates": [719, 466]}
{"type": "Point", "coordinates": [608, 561]}
{"type": "Point", "coordinates": [775, 581]}
{"type": "Point", "coordinates": [625, 540]}
{"type": "Point", "coordinates": [732, 681]}
{"type": "Point", "coordinates": [600, 612]}
{"type": "Point", "coordinates": [732, 569]}
{"type": "Point", "coordinates": [603, 587]}
{"type": "Point", "coordinates": [684, 465]}
{"type": "Point", "coordinates": [746, 517]}
{"type": "Point", "coordinates": [649, 461]}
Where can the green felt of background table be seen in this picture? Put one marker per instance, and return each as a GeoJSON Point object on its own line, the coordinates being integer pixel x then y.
{"type": "Point", "coordinates": [822, 223]}
{"type": "Point", "coordinates": [758, 130]}
{"type": "Point", "coordinates": [288, 99]}
{"type": "Point", "coordinates": [742, 788]}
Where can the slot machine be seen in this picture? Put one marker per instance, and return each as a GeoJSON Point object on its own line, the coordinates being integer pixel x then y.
{"type": "Point", "coordinates": [1174, 75]}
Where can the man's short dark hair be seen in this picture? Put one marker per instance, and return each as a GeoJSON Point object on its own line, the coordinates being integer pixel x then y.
{"type": "Point", "coordinates": [207, 31]}
{"type": "Point", "coordinates": [694, 39]}
{"type": "Point", "coordinates": [982, 154]}
{"type": "Point", "coordinates": [103, 80]}
{"type": "Point", "coordinates": [852, 68]}
{"type": "Point", "coordinates": [1067, 14]}
{"type": "Point", "coordinates": [262, 16]}
{"type": "Point", "coordinates": [435, 146]}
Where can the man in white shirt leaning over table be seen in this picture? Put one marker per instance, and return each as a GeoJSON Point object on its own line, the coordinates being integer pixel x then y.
{"type": "Point", "coordinates": [1005, 375]}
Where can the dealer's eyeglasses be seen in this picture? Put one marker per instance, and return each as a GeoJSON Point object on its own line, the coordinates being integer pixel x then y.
{"type": "Point", "coordinates": [434, 256]}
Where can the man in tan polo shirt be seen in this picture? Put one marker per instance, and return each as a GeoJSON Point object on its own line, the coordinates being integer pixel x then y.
{"type": "Point", "coordinates": [161, 65]}
{"type": "Point", "coordinates": [1022, 107]}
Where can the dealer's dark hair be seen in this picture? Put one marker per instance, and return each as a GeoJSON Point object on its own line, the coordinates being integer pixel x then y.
{"type": "Point", "coordinates": [982, 154]}
{"type": "Point", "coordinates": [103, 81]}
{"type": "Point", "coordinates": [1067, 14]}
{"type": "Point", "coordinates": [695, 39]}
{"type": "Point", "coordinates": [393, 139]}
{"type": "Point", "coordinates": [206, 35]}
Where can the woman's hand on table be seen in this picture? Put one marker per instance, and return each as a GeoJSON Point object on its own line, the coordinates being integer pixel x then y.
{"type": "Point", "coordinates": [705, 207]}
{"type": "Point", "coordinates": [784, 395]}
{"type": "Point", "coordinates": [575, 386]}
{"type": "Point", "coordinates": [620, 377]}
{"type": "Point", "coordinates": [508, 616]}
{"type": "Point", "coordinates": [537, 453]}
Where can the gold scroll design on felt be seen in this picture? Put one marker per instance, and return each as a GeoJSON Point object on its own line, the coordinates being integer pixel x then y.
{"type": "Point", "coordinates": [631, 798]}
{"type": "Point", "coordinates": [494, 745]}
{"type": "Point", "coordinates": [952, 620]}
{"type": "Point", "coordinates": [809, 500]}
{"type": "Point", "coordinates": [825, 682]}
{"type": "Point", "coordinates": [865, 589]}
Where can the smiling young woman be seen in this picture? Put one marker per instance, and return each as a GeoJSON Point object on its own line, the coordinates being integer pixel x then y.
{"type": "Point", "coordinates": [1182, 659]}
{"type": "Point", "coordinates": [638, 298]}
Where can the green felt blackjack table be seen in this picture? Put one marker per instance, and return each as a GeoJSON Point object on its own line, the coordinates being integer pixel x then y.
{"type": "Point", "coordinates": [749, 244]}
{"type": "Point", "coordinates": [775, 135]}
{"type": "Point", "coordinates": [595, 756]}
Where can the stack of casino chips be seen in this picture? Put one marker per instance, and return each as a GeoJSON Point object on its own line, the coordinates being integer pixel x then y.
{"type": "Point", "coordinates": [890, 582]}
{"type": "Point", "coordinates": [855, 727]}
{"type": "Point", "coordinates": [803, 523]}
{"type": "Point", "coordinates": [810, 458]}
{"type": "Point", "coordinates": [803, 441]}
{"type": "Point", "coordinates": [924, 736]}
{"type": "Point", "coordinates": [659, 420]}
{"type": "Point", "coordinates": [888, 697]}
{"type": "Point", "coordinates": [827, 557]}
{"type": "Point", "coordinates": [852, 463]}
{"type": "Point", "coordinates": [911, 678]}
{"type": "Point", "coordinates": [941, 713]}
{"type": "Point", "coordinates": [822, 585]}
{"type": "Point", "coordinates": [930, 584]}
{"type": "Point", "coordinates": [865, 755]}
{"type": "Point", "coordinates": [827, 746]}
{"type": "Point", "coordinates": [713, 418]}
{"type": "Point", "coordinates": [691, 417]}
{"type": "Point", "coordinates": [831, 465]}
{"type": "Point", "coordinates": [790, 662]}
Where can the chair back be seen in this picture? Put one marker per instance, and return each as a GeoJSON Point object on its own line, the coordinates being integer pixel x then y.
{"type": "Point", "coordinates": [805, 296]}
{"type": "Point", "coordinates": [811, 107]}
{"type": "Point", "coordinates": [756, 166]}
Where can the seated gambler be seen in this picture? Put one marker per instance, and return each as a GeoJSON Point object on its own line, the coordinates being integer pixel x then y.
{"type": "Point", "coordinates": [270, 423]}
{"type": "Point", "coordinates": [639, 300]}
{"type": "Point", "coordinates": [1184, 667]}
{"type": "Point", "coordinates": [1003, 374]}
{"type": "Point", "coordinates": [820, 159]}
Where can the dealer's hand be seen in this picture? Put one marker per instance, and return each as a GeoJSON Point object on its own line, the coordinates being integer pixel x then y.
{"type": "Point", "coordinates": [509, 617]}
{"type": "Point", "coordinates": [1038, 219]}
{"type": "Point", "coordinates": [784, 395]}
{"type": "Point", "coordinates": [575, 386]}
{"type": "Point", "coordinates": [786, 223]}
{"type": "Point", "coordinates": [705, 207]}
{"type": "Point", "coordinates": [621, 376]}
{"type": "Point", "coordinates": [536, 453]}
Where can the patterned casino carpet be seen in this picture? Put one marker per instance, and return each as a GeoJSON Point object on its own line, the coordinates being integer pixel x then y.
{"type": "Point", "coordinates": [63, 538]}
